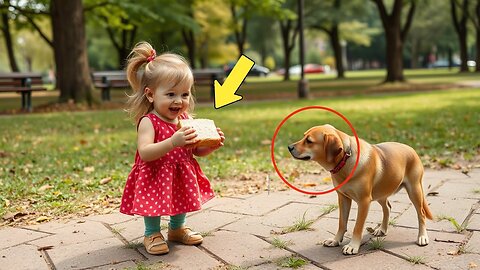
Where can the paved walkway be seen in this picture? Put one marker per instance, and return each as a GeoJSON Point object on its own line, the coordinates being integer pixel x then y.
{"type": "Point", "coordinates": [240, 232]}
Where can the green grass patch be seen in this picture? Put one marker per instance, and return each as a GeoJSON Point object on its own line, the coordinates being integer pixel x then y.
{"type": "Point", "coordinates": [53, 164]}
{"type": "Point", "coordinates": [300, 225]}
{"type": "Point", "coordinates": [458, 227]}
{"type": "Point", "coordinates": [416, 259]}
{"type": "Point", "coordinates": [376, 243]}
{"type": "Point", "coordinates": [329, 208]}
{"type": "Point", "coordinates": [291, 262]}
{"type": "Point", "coordinates": [279, 243]}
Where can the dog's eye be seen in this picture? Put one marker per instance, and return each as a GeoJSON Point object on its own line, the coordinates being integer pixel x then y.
{"type": "Point", "coordinates": [308, 141]}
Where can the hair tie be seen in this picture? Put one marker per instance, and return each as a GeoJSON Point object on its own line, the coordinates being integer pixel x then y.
{"type": "Point", "coordinates": [152, 56]}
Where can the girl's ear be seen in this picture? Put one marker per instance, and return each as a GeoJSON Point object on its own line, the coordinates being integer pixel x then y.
{"type": "Point", "coordinates": [149, 94]}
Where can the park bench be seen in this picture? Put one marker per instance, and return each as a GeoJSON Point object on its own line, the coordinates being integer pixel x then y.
{"type": "Point", "coordinates": [208, 77]}
{"type": "Point", "coordinates": [23, 83]}
{"type": "Point", "coordinates": [106, 80]}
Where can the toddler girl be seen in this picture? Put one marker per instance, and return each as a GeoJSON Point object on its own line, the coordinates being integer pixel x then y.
{"type": "Point", "coordinates": [165, 179]}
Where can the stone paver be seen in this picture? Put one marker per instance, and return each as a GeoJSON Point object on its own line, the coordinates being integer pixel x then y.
{"type": "Point", "coordinates": [377, 260]}
{"type": "Point", "coordinates": [22, 257]}
{"type": "Point", "coordinates": [242, 249]}
{"type": "Point", "coordinates": [93, 253]}
{"type": "Point", "coordinates": [14, 236]}
{"type": "Point", "coordinates": [242, 228]}
{"type": "Point", "coordinates": [75, 233]}
{"type": "Point", "coordinates": [184, 257]}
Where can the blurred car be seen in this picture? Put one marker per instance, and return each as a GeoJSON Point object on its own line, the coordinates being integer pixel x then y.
{"type": "Point", "coordinates": [308, 68]}
{"type": "Point", "coordinates": [456, 63]}
{"type": "Point", "coordinates": [256, 70]}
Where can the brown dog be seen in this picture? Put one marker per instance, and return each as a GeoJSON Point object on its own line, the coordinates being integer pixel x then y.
{"type": "Point", "coordinates": [382, 170]}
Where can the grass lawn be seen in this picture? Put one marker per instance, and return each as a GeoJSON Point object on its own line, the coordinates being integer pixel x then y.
{"type": "Point", "coordinates": [54, 165]}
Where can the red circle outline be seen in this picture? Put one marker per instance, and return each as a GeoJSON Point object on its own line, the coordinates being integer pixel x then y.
{"type": "Point", "coordinates": [272, 148]}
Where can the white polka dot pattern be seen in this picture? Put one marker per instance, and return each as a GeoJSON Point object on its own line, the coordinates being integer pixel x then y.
{"type": "Point", "coordinates": [171, 185]}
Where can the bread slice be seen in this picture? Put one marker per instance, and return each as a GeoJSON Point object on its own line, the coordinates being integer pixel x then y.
{"type": "Point", "coordinates": [206, 131]}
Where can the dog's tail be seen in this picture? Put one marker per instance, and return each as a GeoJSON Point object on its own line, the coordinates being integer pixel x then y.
{"type": "Point", "coordinates": [426, 210]}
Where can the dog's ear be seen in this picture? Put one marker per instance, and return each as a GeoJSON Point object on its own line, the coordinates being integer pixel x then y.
{"type": "Point", "coordinates": [332, 146]}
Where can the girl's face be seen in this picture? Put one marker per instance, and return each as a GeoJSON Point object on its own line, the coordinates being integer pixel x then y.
{"type": "Point", "coordinates": [169, 103]}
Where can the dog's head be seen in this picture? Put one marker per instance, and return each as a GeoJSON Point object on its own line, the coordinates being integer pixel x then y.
{"type": "Point", "coordinates": [321, 144]}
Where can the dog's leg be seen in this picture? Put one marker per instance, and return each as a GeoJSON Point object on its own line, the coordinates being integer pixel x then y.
{"type": "Point", "coordinates": [354, 245]}
{"type": "Point", "coordinates": [415, 193]}
{"type": "Point", "coordinates": [386, 207]}
{"type": "Point", "coordinates": [344, 205]}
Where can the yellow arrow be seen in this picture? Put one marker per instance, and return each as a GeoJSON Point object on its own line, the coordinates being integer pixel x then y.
{"type": "Point", "coordinates": [226, 94]}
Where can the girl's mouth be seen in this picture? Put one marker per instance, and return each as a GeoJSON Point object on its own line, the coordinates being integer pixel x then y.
{"type": "Point", "coordinates": [175, 110]}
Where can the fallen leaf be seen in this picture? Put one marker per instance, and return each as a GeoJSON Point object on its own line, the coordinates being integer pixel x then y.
{"type": "Point", "coordinates": [83, 142]}
{"type": "Point", "coordinates": [7, 202]}
{"type": "Point", "coordinates": [105, 180]}
{"type": "Point", "coordinates": [45, 187]}
{"type": "Point", "coordinates": [42, 219]}
{"type": "Point", "coordinates": [456, 167]}
{"type": "Point", "coordinates": [13, 216]}
{"type": "Point", "coordinates": [89, 169]}
{"type": "Point", "coordinates": [309, 184]}
{"type": "Point", "coordinates": [266, 142]}
{"type": "Point", "coordinates": [452, 252]}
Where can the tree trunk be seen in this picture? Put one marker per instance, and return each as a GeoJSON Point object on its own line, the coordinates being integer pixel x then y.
{"type": "Point", "coordinates": [477, 58]}
{"type": "Point", "coordinates": [461, 29]}
{"type": "Point", "coordinates": [240, 34]}
{"type": "Point", "coordinates": [8, 38]}
{"type": "Point", "coordinates": [414, 52]}
{"type": "Point", "coordinates": [394, 57]}
{"type": "Point", "coordinates": [337, 51]}
{"type": "Point", "coordinates": [395, 36]}
{"type": "Point", "coordinates": [73, 75]}
{"type": "Point", "coordinates": [477, 26]}
{"type": "Point", "coordinates": [288, 44]}
{"type": "Point", "coordinates": [189, 39]}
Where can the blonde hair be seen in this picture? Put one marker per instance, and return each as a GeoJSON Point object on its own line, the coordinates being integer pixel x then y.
{"type": "Point", "coordinates": [145, 69]}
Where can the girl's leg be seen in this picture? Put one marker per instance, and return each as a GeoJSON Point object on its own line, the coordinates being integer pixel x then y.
{"type": "Point", "coordinates": [152, 225]}
{"type": "Point", "coordinates": [177, 221]}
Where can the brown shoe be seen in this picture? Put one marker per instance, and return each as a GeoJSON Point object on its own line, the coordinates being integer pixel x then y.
{"type": "Point", "coordinates": [155, 244]}
{"type": "Point", "coordinates": [185, 236]}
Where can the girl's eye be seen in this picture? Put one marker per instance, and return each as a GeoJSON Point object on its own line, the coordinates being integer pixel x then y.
{"type": "Point", "coordinates": [186, 95]}
{"type": "Point", "coordinates": [170, 94]}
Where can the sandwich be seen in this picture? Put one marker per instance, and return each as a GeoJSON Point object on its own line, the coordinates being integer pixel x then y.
{"type": "Point", "coordinates": [206, 130]}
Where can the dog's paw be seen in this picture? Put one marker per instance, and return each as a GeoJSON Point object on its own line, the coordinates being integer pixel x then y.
{"type": "Point", "coordinates": [349, 250]}
{"type": "Point", "coordinates": [331, 243]}
{"type": "Point", "coordinates": [422, 240]}
{"type": "Point", "coordinates": [379, 232]}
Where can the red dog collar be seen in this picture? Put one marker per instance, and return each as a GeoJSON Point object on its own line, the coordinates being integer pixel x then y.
{"type": "Point", "coordinates": [341, 163]}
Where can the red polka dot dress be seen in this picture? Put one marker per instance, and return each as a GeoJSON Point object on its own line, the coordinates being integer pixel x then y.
{"type": "Point", "coordinates": [171, 185]}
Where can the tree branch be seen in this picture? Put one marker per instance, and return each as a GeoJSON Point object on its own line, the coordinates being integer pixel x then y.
{"type": "Point", "coordinates": [39, 30]}
{"type": "Point", "coordinates": [408, 23]}
{"type": "Point", "coordinates": [383, 12]}
{"type": "Point", "coordinates": [453, 11]}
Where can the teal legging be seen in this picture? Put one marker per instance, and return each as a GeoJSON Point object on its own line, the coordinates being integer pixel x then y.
{"type": "Point", "coordinates": [152, 224]}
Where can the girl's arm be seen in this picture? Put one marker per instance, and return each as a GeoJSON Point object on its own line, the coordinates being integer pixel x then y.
{"type": "Point", "coordinates": [148, 150]}
{"type": "Point", "coordinates": [203, 151]}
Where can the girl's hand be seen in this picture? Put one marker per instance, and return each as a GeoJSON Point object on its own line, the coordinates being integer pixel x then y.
{"type": "Point", "coordinates": [203, 151]}
{"type": "Point", "coordinates": [222, 137]}
{"type": "Point", "coordinates": [184, 136]}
